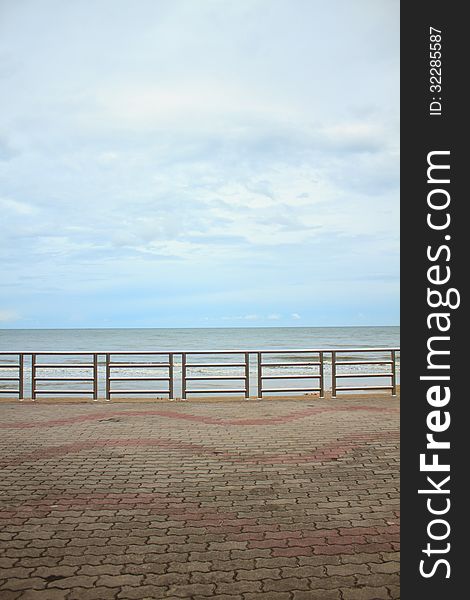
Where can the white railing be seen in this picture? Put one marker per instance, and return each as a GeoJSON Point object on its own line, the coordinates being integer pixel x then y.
{"type": "Point", "coordinates": [172, 374]}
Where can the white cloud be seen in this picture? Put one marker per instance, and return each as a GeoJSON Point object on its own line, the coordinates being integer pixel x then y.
{"type": "Point", "coordinates": [107, 158]}
{"type": "Point", "coordinates": [168, 155]}
{"type": "Point", "coordinates": [8, 316]}
{"type": "Point", "coordinates": [16, 207]}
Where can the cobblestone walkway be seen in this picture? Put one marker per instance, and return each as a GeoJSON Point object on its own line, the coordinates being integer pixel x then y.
{"type": "Point", "coordinates": [276, 500]}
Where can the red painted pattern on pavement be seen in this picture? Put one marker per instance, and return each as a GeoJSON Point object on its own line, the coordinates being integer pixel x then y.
{"type": "Point", "coordinates": [331, 451]}
{"type": "Point", "coordinates": [196, 418]}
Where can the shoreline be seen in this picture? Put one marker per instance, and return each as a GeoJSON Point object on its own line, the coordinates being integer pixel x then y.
{"type": "Point", "coordinates": [203, 399]}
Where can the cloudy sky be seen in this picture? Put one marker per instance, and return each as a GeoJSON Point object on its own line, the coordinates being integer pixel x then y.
{"type": "Point", "coordinates": [199, 163]}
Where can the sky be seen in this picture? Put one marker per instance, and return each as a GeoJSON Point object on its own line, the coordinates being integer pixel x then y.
{"type": "Point", "coordinates": [199, 163]}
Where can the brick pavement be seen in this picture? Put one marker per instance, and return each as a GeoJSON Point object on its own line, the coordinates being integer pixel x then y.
{"type": "Point", "coordinates": [281, 500]}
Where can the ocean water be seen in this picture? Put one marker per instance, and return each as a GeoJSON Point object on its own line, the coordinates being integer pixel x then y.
{"type": "Point", "coordinates": [201, 339]}
{"type": "Point", "coordinates": [249, 338]}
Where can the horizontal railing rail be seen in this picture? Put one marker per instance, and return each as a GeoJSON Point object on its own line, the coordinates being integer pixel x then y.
{"type": "Point", "coordinates": [172, 374]}
{"type": "Point", "coordinates": [39, 379]}
{"type": "Point", "coordinates": [337, 362]}
{"type": "Point", "coordinates": [114, 366]}
{"type": "Point", "coordinates": [17, 376]}
{"type": "Point", "coordinates": [317, 361]}
{"type": "Point", "coordinates": [243, 377]}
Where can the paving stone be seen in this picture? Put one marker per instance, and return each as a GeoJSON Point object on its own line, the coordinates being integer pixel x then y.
{"type": "Point", "coordinates": [96, 593]}
{"type": "Point", "coordinates": [258, 574]}
{"type": "Point", "coordinates": [168, 579]}
{"type": "Point", "coordinates": [220, 597]}
{"type": "Point", "coordinates": [275, 500]}
{"type": "Point", "coordinates": [299, 572]}
{"type": "Point", "coordinates": [15, 583]}
{"type": "Point", "coordinates": [394, 591]}
{"type": "Point", "coordinates": [240, 587]}
{"type": "Point", "coordinates": [143, 592]}
{"type": "Point", "coordinates": [317, 595]}
{"type": "Point", "coordinates": [287, 584]}
{"type": "Point", "coordinates": [278, 562]}
{"type": "Point", "coordinates": [102, 569]}
{"type": "Point", "coordinates": [74, 581]}
{"type": "Point", "coordinates": [9, 595]}
{"type": "Point", "coordinates": [268, 596]}
{"type": "Point", "coordinates": [378, 579]}
{"type": "Point", "coordinates": [213, 577]}
{"type": "Point", "coordinates": [187, 591]}
{"type": "Point", "coordinates": [361, 558]}
{"type": "Point", "coordinates": [386, 567]}
{"type": "Point", "coordinates": [17, 572]}
{"type": "Point", "coordinates": [42, 595]}
{"type": "Point", "coordinates": [194, 566]}
{"type": "Point", "coordinates": [56, 572]}
{"type": "Point", "coordinates": [366, 593]}
{"type": "Point", "coordinates": [347, 569]}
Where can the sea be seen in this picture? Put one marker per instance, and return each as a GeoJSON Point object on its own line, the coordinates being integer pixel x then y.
{"type": "Point", "coordinates": [249, 339]}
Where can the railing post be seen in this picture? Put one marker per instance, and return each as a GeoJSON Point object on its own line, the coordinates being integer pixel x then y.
{"type": "Point", "coordinates": [260, 376]}
{"type": "Point", "coordinates": [170, 375]}
{"type": "Point", "coordinates": [20, 376]}
{"type": "Point", "coordinates": [33, 376]}
{"type": "Point", "coordinates": [333, 374]}
{"type": "Point", "coordinates": [394, 372]}
{"type": "Point", "coordinates": [247, 376]}
{"type": "Point", "coordinates": [322, 376]}
{"type": "Point", "coordinates": [95, 376]}
{"type": "Point", "coordinates": [183, 375]}
{"type": "Point", "coordinates": [108, 375]}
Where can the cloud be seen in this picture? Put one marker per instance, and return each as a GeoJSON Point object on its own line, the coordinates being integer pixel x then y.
{"type": "Point", "coordinates": [6, 151]}
{"type": "Point", "coordinates": [164, 155]}
{"type": "Point", "coordinates": [8, 316]}
{"type": "Point", "coordinates": [16, 207]}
